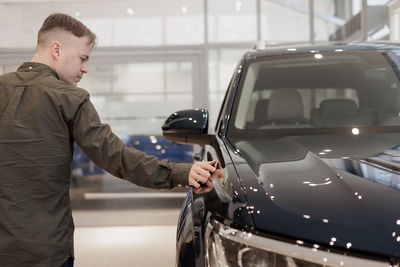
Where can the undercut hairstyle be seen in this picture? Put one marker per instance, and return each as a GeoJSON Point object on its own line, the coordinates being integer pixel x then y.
{"type": "Point", "coordinates": [67, 23]}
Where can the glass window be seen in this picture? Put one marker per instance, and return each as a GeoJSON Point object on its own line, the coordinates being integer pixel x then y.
{"type": "Point", "coordinates": [293, 21]}
{"type": "Point", "coordinates": [232, 21]}
{"type": "Point", "coordinates": [103, 28]}
{"type": "Point", "coordinates": [356, 6]}
{"type": "Point", "coordinates": [141, 93]}
{"type": "Point", "coordinates": [19, 26]}
{"type": "Point", "coordinates": [324, 22]}
{"type": "Point", "coordinates": [139, 78]}
{"type": "Point", "coordinates": [377, 2]}
{"type": "Point", "coordinates": [8, 68]}
{"type": "Point", "coordinates": [222, 63]}
{"type": "Point", "coordinates": [333, 89]}
{"type": "Point", "coordinates": [137, 31]}
{"type": "Point", "coordinates": [99, 79]}
{"type": "Point", "coordinates": [185, 30]}
{"type": "Point", "coordinates": [179, 78]}
{"type": "Point", "coordinates": [116, 23]}
{"type": "Point", "coordinates": [184, 22]}
{"type": "Point", "coordinates": [395, 25]}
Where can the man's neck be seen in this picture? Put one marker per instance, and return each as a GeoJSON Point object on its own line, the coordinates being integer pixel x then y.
{"type": "Point", "coordinates": [39, 59]}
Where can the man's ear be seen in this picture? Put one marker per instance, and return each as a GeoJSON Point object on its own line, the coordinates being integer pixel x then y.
{"type": "Point", "coordinates": [55, 49]}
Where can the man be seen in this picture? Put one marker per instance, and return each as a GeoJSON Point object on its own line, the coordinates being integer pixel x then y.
{"type": "Point", "coordinates": [42, 114]}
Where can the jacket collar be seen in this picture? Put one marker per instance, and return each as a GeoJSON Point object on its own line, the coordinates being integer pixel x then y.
{"type": "Point", "coordinates": [37, 67]}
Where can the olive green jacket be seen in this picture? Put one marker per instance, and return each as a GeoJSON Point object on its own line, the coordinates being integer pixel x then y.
{"type": "Point", "coordinates": [40, 119]}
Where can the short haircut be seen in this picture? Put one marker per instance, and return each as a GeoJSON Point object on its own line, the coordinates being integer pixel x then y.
{"type": "Point", "coordinates": [67, 23]}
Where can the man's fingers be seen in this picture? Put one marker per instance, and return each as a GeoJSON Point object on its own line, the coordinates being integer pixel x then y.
{"type": "Point", "coordinates": [195, 179]}
{"type": "Point", "coordinates": [211, 167]}
{"type": "Point", "coordinates": [194, 184]}
{"type": "Point", "coordinates": [208, 166]}
{"type": "Point", "coordinates": [201, 173]}
{"type": "Point", "coordinates": [199, 178]}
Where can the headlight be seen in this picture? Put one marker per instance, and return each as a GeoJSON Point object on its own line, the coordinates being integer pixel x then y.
{"type": "Point", "coordinates": [228, 247]}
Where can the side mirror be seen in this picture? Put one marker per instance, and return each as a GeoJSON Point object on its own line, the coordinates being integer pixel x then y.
{"type": "Point", "coordinates": [184, 123]}
{"type": "Point", "coordinates": [190, 127]}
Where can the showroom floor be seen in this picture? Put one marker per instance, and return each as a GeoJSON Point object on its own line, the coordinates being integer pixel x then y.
{"type": "Point", "coordinates": [118, 224]}
{"type": "Point", "coordinates": [143, 238]}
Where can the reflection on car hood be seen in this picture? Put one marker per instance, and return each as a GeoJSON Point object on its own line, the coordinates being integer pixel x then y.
{"type": "Point", "coordinates": [324, 201]}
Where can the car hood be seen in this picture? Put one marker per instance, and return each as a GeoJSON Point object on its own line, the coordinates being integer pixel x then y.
{"type": "Point", "coordinates": [346, 201]}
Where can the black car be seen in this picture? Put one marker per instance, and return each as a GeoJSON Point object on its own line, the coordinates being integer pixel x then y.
{"type": "Point", "coordinates": [308, 145]}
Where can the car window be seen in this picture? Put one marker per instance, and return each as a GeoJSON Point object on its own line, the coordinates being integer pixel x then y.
{"type": "Point", "coordinates": [320, 90]}
{"type": "Point", "coordinates": [312, 98]}
{"type": "Point", "coordinates": [227, 98]}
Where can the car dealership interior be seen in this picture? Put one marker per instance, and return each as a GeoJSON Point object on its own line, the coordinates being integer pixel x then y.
{"type": "Point", "coordinates": [156, 57]}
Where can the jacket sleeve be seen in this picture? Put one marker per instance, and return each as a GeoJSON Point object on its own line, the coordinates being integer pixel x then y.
{"type": "Point", "coordinates": [105, 149]}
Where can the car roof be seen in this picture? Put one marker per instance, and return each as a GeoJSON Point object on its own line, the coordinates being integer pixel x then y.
{"type": "Point", "coordinates": [290, 49]}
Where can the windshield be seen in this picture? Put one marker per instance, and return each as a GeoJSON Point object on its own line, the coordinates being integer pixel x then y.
{"type": "Point", "coordinates": [341, 108]}
{"type": "Point", "coordinates": [307, 92]}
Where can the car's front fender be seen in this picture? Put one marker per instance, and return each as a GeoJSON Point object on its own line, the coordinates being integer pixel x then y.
{"type": "Point", "coordinates": [190, 231]}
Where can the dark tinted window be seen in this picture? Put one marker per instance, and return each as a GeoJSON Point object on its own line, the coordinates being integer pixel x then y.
{"type": "Point", "coordinates": [320, 90]}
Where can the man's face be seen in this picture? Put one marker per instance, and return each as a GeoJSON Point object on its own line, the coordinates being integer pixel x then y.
{"type": "Point", "coordinates": [74, 55]}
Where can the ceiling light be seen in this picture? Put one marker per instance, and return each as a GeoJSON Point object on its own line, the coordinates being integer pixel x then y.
{"type": "Point", "coordinates": [130, 11]}
{"type": "Point", "coordinates": [238, 6]}
{"type": "Point", "coordinates": [355, 131]}
{"type": "Point", "coordinates": [318, 56]}
{"type": "Point", "coordinates": [184, 9]}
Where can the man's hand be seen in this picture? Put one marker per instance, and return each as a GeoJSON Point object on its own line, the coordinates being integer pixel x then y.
{"type": "Point", "coordinates": [218, 174]}
{"type": "Point", "coordinates": [200, 173]}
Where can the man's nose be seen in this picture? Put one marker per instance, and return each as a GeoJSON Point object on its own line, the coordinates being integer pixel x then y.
{"type": "Point", "coordinates": [84, 69]}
